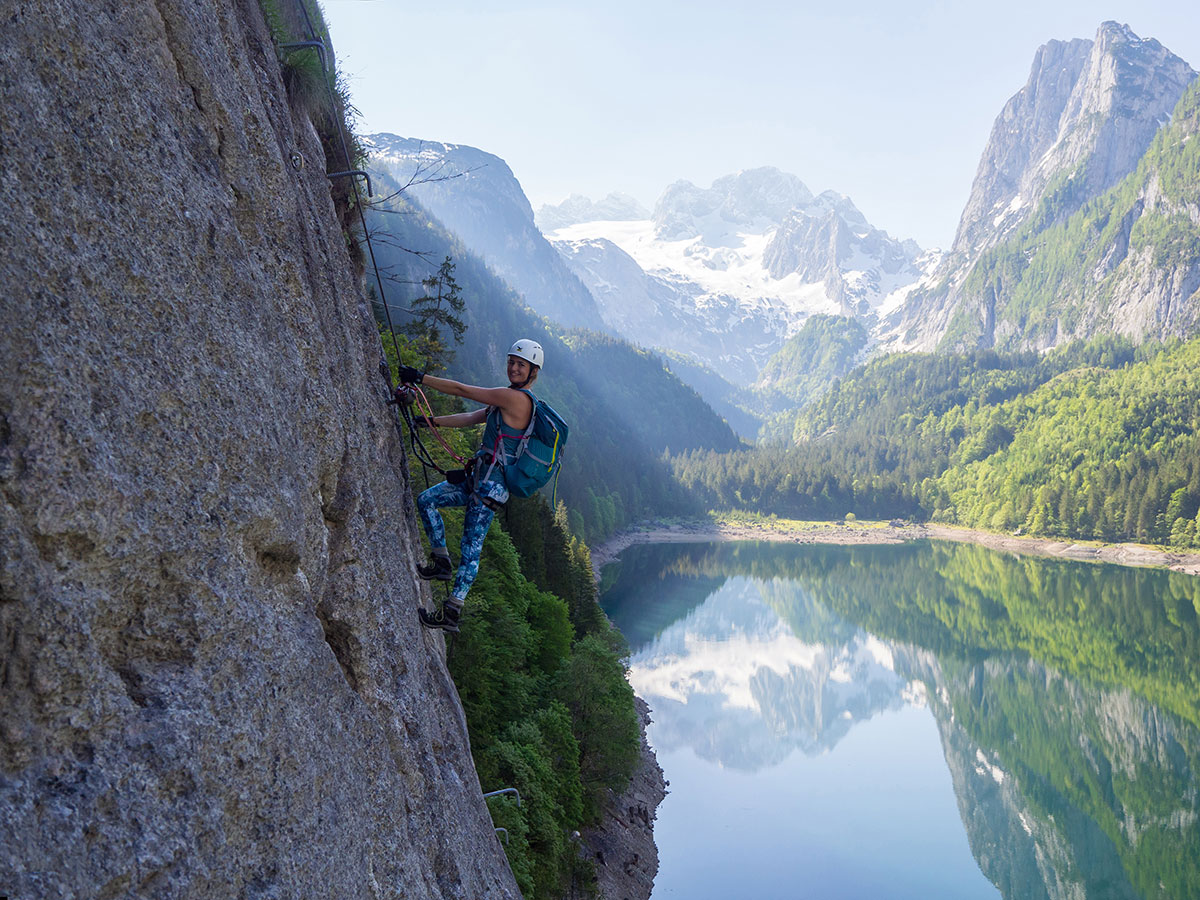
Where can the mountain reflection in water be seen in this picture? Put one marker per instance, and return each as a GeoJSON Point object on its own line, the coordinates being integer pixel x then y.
{"type": "Point", "coordinates": [1066, 695]}
{"type": "Point", "coordinates": [733, 682]}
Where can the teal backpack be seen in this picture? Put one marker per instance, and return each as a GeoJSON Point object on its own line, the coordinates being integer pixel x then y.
{"type": "Point", "coordinates": [538, 454]}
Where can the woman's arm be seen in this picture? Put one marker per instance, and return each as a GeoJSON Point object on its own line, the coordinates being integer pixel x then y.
{"type": "Point", "coordinates": [461, 420]}
{"type": "Point", "coordinates": [516, 406]}
{"type": "Point", "coordinates": [486, 396]}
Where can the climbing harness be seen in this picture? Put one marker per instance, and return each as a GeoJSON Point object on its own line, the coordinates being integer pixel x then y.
{"type": "Point", "coordinates": [410, 397]}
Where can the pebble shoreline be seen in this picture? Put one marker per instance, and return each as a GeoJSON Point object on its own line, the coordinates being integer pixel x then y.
{"type": "Point", "coordinates": [1185, 562]}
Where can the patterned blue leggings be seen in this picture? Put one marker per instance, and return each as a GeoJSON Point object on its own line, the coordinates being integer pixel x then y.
{"type": "Point", "coordinates": [475, 525]}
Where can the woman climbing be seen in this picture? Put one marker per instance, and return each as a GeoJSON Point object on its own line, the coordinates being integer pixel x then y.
{"type": "Point", "coordinates": [482, 491]}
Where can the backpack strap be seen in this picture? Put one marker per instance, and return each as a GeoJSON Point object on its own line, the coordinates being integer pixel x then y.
{"type": "Point", "coordinates": [524, 436]}
{"type": "Point", "coordinates": [528, 432]}
{"type": "Point", "coordinates": [497, 451]}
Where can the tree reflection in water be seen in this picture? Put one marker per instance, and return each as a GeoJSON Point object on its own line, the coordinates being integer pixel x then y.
{"type": "Point", "coordinates": [1067, 694]}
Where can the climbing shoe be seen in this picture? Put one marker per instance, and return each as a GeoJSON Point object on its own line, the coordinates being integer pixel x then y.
{"type": "Point", "coordinates": [445, 618]}
{"type": "Point", "coordinates": [439, 569]}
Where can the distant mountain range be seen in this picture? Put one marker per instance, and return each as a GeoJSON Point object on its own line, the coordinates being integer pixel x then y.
{"type": "Point", "coordinates": [616, 207]}
{"type": "Point", "coordinates": [724, 275]}
{"type": "Point", "coordinates": [1083, 219]}
{"type": "Point", "coordinates": [727, 273]}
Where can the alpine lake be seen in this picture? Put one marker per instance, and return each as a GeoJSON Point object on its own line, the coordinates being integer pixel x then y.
{"type": "Point", "coordinates": [920, 720]}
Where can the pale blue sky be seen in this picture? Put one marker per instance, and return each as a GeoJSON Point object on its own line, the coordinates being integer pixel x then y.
{"type": "Point", "coordinates": [888, 102]}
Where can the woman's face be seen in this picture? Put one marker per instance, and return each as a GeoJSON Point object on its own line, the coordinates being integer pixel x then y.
{"type": "Point", "coordinates": [518, 370]}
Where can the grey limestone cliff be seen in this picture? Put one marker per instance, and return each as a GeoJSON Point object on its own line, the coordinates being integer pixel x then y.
{"type": "Point", "coordinates": [214, 683]}
{"type": "Point", "coordinates": [1090, 108]}
{"type": "Point", "coordinates": [1080, 126]}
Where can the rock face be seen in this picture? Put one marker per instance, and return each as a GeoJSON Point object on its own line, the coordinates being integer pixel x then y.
{"type": "Point", "coordinates": [1079, 128]}
{"type": "Point", "coordinates": [622, 845]}
{"type": "Point", "coordinates": [1012, 167]}
{"type": "Point", "coordinates": [214, 683]}
{"type": "Point", "coordinates": [830, 241]}
{"type": "Point", "coordinates": [1089, 107]}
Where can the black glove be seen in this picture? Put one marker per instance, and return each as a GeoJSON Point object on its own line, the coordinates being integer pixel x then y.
{"type": "Point", "coordinates": [421, 422]}
{"type": "Point", "coordinates": [409, 375]}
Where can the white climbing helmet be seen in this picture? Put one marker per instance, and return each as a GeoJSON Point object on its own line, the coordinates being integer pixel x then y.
{"type": "Point", "coordinates": [530, 351]}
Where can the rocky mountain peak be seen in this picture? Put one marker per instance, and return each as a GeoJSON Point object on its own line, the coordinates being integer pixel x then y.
{"type": "Point", "coordinates": [830, 241]}
{"type": "Point", "coordinates": [616, 207]}
{"type": "Point", "coordinates": [725, 274]}
{"type": "Point", "coordinates": [1087, 113]}
{"type": "Point", "coordinates": [831, 202]}
{"type": "Point", "coordinates": [1079, 128]}
{"type": "Point", "coordinates": [752, 199]}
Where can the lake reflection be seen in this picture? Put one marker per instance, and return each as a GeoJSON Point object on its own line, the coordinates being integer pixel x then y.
{"type": "Point", "coordinates": [917, 720]}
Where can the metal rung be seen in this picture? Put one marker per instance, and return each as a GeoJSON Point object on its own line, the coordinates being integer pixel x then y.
{"type": "Point", "coordinates": [307, 45]}
{"type": "Point", "coordinates": [504, 791]}
{"type": "Point", "coordinates": [503, 831]}
{"type": "Point", "coordinates": [358, 172]}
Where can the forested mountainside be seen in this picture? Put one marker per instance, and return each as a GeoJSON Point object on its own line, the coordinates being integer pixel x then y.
{"type": "Point", "coordinates": [538, 669]}
{"type": "Point", "coordinates": [1070, 230]}
{"type": "Point", "coordinates": [741, 407]}
{"type": "Point", "coordinates": [824, 350]}
{"type": "Point", "coordinates": [625, 408]}
{"type": "Point", "coordinates": [1093, 440]}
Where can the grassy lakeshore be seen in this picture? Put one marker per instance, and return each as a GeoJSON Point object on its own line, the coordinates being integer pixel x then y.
{"type": "Point", "coordinates": [742, 527]}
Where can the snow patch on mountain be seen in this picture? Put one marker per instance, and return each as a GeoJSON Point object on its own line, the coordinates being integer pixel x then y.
{"type": "Point", "coordinates": [730, 272]}
{"type": "Point", "coordinates": [927, 264]}
{"type": "Point", "coordinates": [720, 259]}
